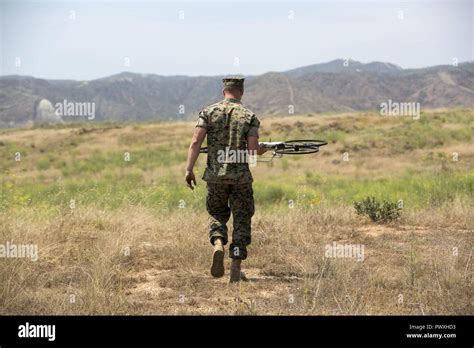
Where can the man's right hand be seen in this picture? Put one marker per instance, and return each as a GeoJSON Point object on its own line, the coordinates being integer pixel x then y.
{"type": "Point", "coordinates": [190, 178]}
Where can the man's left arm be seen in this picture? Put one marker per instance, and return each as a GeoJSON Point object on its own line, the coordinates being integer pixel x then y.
{"type": "Point", "coordinates": [252, 137]}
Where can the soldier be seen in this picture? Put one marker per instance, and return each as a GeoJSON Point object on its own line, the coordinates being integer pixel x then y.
{"type": "Point", "coordinates": [231, 130]}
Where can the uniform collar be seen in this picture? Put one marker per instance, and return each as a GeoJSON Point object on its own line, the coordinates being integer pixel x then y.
{"type": "Point", "coordinates": [232, 100]}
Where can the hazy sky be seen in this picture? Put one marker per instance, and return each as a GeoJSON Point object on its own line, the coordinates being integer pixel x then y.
{"type": "Point", "coordinates": [87, 40]}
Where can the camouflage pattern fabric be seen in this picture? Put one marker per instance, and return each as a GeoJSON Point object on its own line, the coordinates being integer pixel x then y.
{"type": "Point", "coordinates": [221, 201]}
{"type": "Point", "coordinates": [228, 124]}
{"type": "Point", "coordinates": [233, 83]}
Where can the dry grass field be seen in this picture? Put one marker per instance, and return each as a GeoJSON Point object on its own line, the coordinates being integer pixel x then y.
{"type": "Point", "coordinates": [119, 236]}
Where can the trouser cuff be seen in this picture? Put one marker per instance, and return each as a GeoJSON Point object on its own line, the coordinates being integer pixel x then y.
{"type": "Point", "coordinates": [218, 234]}
{"type": "Point", "coordinates": [237, 252]}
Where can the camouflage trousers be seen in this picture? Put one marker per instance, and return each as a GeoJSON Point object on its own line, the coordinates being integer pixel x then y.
{"type": "Point", "coordinates": [221, 201]}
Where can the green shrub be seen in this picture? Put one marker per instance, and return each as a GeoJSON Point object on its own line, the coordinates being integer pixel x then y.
{"type": "Point", "coordinates": [377, 211]}
{"type": "Point", "coordinates": [43, 164]}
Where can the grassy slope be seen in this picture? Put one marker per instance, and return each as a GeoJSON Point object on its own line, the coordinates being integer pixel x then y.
{"type": "Point", "coordinates": [303, 203]}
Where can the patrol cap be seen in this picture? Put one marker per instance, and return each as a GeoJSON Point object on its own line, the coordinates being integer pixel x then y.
{"type": "Point", "coordinates": [233, 83]}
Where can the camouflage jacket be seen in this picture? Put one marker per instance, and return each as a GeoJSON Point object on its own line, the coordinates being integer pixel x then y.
{"type": "Point", "coordinates": [228, 124]}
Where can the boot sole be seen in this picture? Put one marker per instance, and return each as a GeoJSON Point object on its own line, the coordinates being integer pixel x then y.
{"type": "Point", "coordinates": [217, 268]}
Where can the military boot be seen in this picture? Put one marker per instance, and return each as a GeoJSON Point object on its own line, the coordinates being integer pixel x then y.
{"type": "Point", "coordinates": [235, 273]}
{"type": "Point", "coordinates": [217, 268]}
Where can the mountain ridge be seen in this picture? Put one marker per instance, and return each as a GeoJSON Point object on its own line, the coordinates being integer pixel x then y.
{"type": "Point", "coordinates": [338, 85]}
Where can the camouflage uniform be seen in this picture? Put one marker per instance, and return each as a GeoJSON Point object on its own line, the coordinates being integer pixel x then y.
{"type": "Point", "coordinates": [228, 124]}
